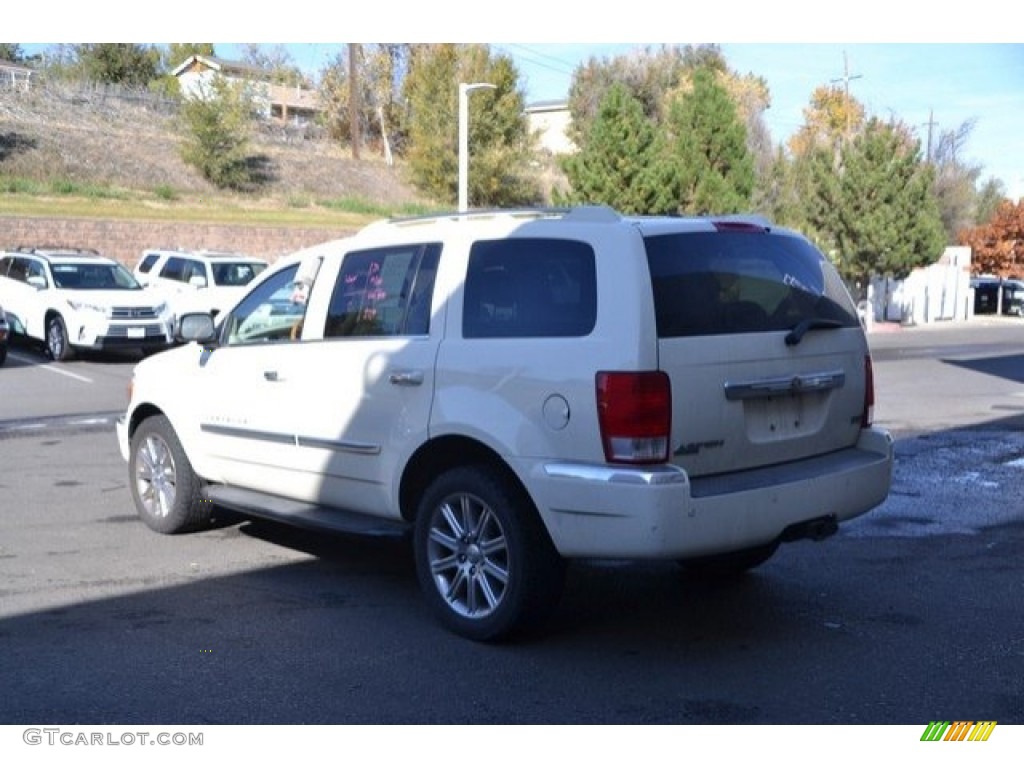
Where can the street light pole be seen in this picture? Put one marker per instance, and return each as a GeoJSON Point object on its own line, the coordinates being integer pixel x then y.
{"type": "Point", "coordinates": [464, 91]}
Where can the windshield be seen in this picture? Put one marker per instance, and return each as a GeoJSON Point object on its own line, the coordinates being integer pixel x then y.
{"type": "Point", "coordinates": [93, 277]}
{"type": "Point", "coordinates": [708, 283]}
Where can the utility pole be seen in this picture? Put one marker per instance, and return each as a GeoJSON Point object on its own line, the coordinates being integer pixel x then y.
{"type": "Point", "coordinates": [353, 97]}
{"type": "Point", "coordinates": [930, 124]}
{"type": "Point", "coordinates": [845, 79]}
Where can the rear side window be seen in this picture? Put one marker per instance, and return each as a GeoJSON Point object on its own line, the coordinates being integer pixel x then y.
{"type": "Point", "coordinates": [235, 274]}
{"type": "Point", "coordinates": [708, 283]}
{"type": "Point", "coordinates": [529, 288]}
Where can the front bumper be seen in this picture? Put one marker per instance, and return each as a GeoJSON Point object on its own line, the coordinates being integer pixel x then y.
{"type": "Point", "coordinates": [123, 439]}
{"type": "Point", "coordinates": [99, 335]}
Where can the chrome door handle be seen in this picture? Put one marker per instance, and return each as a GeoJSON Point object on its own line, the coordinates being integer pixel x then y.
{"type": "Point", "coordinates": [406, 378]}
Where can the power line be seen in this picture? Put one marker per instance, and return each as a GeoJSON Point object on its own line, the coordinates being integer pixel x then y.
{"type": "Point", "coordinates": [540, 59]}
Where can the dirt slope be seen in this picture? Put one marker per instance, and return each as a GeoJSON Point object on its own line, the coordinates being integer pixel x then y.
{"type": "Point", "coordinates": [90, 137]}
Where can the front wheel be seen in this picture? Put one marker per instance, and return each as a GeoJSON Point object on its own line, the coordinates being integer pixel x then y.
{"type": "Point", "coordinates": [165, 489]}
{"type": "Point", "coordinates": [485, 563]}
{"type": "Point", "coordinates": [57, 339]}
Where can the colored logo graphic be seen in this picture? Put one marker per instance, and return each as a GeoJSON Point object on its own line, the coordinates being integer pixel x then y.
{"type": "Point", "coordinates": [961, 730]}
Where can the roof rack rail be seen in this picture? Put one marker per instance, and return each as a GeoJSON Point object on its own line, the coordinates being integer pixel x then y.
{"type": "Point", "coordinates": [575, 213]}
{"type": "Point", "coordinates": [42, 249]}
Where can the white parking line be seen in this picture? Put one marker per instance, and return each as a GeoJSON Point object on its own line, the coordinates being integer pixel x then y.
{"type": "Point", "coordinates": [52, 367]}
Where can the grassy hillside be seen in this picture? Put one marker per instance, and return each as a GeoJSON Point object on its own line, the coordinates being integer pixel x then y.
{"type": "Point", "coordinates": [75, 153]}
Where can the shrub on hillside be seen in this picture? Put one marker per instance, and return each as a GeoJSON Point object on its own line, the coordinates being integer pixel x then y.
{"type": "Point", "coordinates": [216, 125]}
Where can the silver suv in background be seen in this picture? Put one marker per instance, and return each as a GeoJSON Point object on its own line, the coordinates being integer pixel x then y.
{"type": "Point", "coordinates": [76, 299]}
{"type": "Point", "coordinates": [518, 389]}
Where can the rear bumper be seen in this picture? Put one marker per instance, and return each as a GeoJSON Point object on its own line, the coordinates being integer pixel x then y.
{"type": "Point", "coordinates": [659, 513]}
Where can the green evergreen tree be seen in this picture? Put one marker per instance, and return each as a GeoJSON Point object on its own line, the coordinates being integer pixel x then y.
{"type": "Point", "coordinates": [216, 125]}
{"type": "Point", "coordinates": [499, 140]}
{"type": "Point", "coordinates": [122, 63]}
{"type": "Point", "coordinates": [614, 165]}
{"type": "Point", "coordinates": [878, 209]}
{"type": "Point", "coordinates": [707, 166]}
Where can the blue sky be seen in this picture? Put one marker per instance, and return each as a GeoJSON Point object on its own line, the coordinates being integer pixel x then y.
{"type": "Point", "coordinates": [950, 67]}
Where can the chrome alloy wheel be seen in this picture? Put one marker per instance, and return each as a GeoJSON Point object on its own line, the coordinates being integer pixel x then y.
{"type": "Point", "coordinates": [156, 476]}
{"type": "Point", "coordinates": [469, 555]}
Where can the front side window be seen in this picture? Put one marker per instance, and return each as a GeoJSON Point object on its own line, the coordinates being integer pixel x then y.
{"type": "Point", "coordinates": [174, 269]}
{"type": "Point", "coordinates": [384, 292]}
{"type": "Point", "coordinates": [529, 288]}
{"type": "Point", "coordinates": [268, 313]}
{"type": "Point", "coordinates": [193, 269]}
{"type": "Point", "coordinates": [710, 283]}
{"type": "Point", "coordinates": [17, 269]}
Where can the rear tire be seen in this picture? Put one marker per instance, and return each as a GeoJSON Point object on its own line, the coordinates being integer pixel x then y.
{"type": "Point", "coordinates": [165, 489]}
{"type": "Point", "coordinates": [484, 560]}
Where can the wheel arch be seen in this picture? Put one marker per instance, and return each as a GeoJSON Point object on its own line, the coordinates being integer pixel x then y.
{"type": "Point", "coordinates": [140, 414]}
{"type": "Point", "coordinates": [442, 454]}
{"type": "Point", "coordinates": [48, 315]}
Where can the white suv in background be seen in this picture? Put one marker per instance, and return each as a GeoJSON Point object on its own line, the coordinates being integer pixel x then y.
{"type": "Point", "coordinates": [77, 299]}
{"type": "Point", "coordinates": [198, 281]}
{"type": "Point", "coordinates": [5, 333]}
{"type": "Point", "coordinates": [518, 389]}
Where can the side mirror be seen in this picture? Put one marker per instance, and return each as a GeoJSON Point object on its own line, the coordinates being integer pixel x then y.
{"type": "Point", "coordinates": [37, 281]}
{"type": "Point", "coordinates": [196, 326]}
{"type": "Point", "coordinates": [197, 281]}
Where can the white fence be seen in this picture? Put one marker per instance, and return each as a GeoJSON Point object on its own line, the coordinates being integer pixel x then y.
{"type": "Point", "coordinates": [940, 291]}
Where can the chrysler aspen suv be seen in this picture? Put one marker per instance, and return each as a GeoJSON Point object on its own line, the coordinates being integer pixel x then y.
{"type": "Point", "coordinates": [517, 389]}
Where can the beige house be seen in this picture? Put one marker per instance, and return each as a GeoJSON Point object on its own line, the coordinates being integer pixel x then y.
{"type": "Point", "coordinates": [550, 120]}
{"type": "Point", "coordinates": [282, 102]}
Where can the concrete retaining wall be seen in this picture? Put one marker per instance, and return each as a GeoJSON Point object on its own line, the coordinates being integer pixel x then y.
{"type": "Point", "coordinates": [125, 240]}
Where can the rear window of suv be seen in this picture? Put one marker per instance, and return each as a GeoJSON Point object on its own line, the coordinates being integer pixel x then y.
{"type": "Point", "coordinates": [529, 288]}
{"type": "Point", "coordinates": [726, 282]}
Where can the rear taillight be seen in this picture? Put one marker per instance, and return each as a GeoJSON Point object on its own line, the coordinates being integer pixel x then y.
{"type": "Point", "coordinates": [867, 416]}
{"type": "Point", "coordinates": [635, 414]}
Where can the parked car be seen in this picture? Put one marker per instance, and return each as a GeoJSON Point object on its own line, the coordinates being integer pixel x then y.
{"type": "Point", "coordinates": [198, 281]}
{"type": "Point", "coordinates": [986, 296]}
{"type": "Point", "coordinates": [5, 333]}
{"type": "Point", "coordinates": [75, 299]}
{"type": "Point", "coordinates": [517, 389]}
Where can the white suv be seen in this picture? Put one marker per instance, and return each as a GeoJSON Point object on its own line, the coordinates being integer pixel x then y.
{"type": "Point", "coordinates": [517, 389]}
{"type": "Point", "coordinates": [198, 281]}
{"type": "Point", "coordinates": [77, 299]}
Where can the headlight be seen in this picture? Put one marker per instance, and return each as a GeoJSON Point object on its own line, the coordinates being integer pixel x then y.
{"type": "Point", "coordinates": [160, 308]}
{"type": "Point", "coordinates": [84, 306]}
